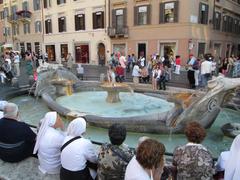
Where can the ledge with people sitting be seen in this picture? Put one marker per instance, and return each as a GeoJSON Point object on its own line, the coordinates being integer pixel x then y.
{"type": "Point", "coordinates": [73, 156]}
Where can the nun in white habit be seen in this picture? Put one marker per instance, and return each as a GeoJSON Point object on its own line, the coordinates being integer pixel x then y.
{"type": "Point", "coordinates": [75, 155]}
{"type": "Point", "coordinates": [232, 170]}
{"type": "Point", "coordinates": [48, 144]}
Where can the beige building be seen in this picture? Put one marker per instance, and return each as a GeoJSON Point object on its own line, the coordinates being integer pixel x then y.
{"type": "Point", "coordinates": [175, 27]}
{"type": "Point", "coordinates": [23, 24]}
{"type": "Point", "coordinates": [1, 23]}
{"type": "Point", "coordinates": [77, 27]}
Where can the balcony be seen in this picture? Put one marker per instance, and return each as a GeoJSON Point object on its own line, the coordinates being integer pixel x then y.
{"type": "Point", "coordinates": [24, 16]}
{"type": "Point", "coordinates": [13, 19]}
{"type": "Point", "coordinates": [118, 32]}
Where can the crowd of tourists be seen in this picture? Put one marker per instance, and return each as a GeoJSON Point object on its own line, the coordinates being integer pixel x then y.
{"type": "Point", "coordinates": [201, 69]}
{"type": "Point", "coordinates": [74, 157]}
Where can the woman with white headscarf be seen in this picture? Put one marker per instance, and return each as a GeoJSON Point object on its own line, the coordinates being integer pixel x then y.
{"type": "Point", "coordinates": [48, 144]}
{"type": "Point", "coordinates": [76, 151]}
{"type": "Point", "coordinates": [232, 170]}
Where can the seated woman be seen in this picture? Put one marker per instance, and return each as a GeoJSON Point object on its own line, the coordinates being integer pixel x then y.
{"type": "Point", "coordinates": [148, 163]}
{"type": "Point", "coordinates": [113, 158]}
{"type": "Point", "coordinates": [48, 144]}
{"type": "Point", "coordinates": [76, 151]}
{"type": "Point", "coordinates": [232, 169]}
{"type": "Point", "coordinates": [193, 159]}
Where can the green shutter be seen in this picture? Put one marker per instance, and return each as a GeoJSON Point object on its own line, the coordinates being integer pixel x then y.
{"type": "Point", "coordinates": [125, 17]}
{"type": "Point", "coordinates": [176, 10]}
{"type": "Point", "coordinates": [149, 14]}
{"type": "Point", "coordinates": [161, 13]}
{"type": "Point", "coordinates": [135, 15]}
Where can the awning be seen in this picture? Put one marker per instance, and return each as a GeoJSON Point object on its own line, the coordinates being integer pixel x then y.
{"type": "Point", "coordinates": [7, 46]}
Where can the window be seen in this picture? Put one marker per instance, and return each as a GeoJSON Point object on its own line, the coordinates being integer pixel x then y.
{"type": "Point", "coordinates": [6, 12]}
{"type": "Point", "coordinates": [235, 26]}
{"type": "Point", "coordinates": [79, 22]}
{"type": "Point", "coordinates": [15, 29]}
{"type": "Point", "coordinates": [38, 27]}
{"type": "Point", "coordinates": [1, 14]}
{"type": "Point", "coordinates": [47, 3]}
{"type": "Point", "coordinates": [201, 49]}
{"type": "Point", "coordinates": [13, 11]}
{"type": "Point", "coordinates": [225, 23]}
{"type": "Point", "coordinates": [98, 20]}
{"type": "Point", "coordinates": [169, 12]}
{"type": "Point", "coordinates": [119, 20]}
{"type": "Point", "coordinates": [6, 31]}
{"type": "Point", "coordinates": [230, 25]}
{"type": "Point", "coordinates": [142, 15]}
{"type": "Point", "coordinates": [26, 28]}
{"type": "Point", "coordinates": [36, 5]}
{"type": "Point", "coordinates": [217, 21]}
{"type": "Point", "coordinates": [61, 2]}
{"type": "Point", "coordinates": [48, 26]}
{"type": "Point", "coordinates": [25, 5]}
{"type": "Point", "coordinates": [203, 13]}
{"type": "Point", "coordinates": [1, 1]}
{"type": "Point", "coordinates": [62, 24]}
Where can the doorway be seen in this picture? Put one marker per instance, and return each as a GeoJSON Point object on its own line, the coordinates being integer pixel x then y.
{"type": "Point", "coordinates": [82, 53]}
{"type": "Point", "coordinates": [50, 49]}
{"type": "Point", "coordinates": [168, 49]}
{"type": "Point", "coordinates": [101, 54]}
{"type": "Point", "coordinates": [141, 50]}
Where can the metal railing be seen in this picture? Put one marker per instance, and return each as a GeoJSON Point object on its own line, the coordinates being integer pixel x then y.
{"type": "Point", "coordinates": [118, 31]}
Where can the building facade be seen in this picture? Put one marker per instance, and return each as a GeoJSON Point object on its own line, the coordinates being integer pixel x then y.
{"type": "Point", "coordinates": [1, 24]}
{"type": "Point", "coordinates": [175, 27]}
{"type": "Point", "coordinates": [77, 27]}
{"type": "Point", "coordinates": [22, 24]}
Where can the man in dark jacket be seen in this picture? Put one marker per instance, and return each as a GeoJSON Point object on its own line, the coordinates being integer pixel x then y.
{"type": "Point", "coordinates": [17, 140]}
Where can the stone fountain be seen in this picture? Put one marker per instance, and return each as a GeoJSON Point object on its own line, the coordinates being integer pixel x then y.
{"type": "Point", "coordinates": [202, 106]}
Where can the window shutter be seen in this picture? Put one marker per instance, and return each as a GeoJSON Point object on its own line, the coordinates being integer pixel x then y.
{"type": "Point", "coordinates": [83, 28]}
{"type": "Point", "coordinates": [176, 7]}
{"type": "Point", "coordinates": [58, 2]}
{"type": "Point", "coordinates": [50, 26]}
{"type": "Point", "coordinates": [36, 26]}
{"type": "Point", "coordinates": [114, 18]}
{"type": "Point", "coordinates": [219, 21]}
{"type": "Point", "coordinates": [200, 12]}
{"type": "Point", "coordinates": [149, 14]}
{"type": "Point", "coordinates": [76, 23]}
{"type": "Point", "coordinates": [161, 13]}
{"type": "Point", "coordinates": [136, 15]}
{"type": "Point", "coordinates": [206, 15]}
{"type": "Point", "coordinates": [40, 26]}
{"type": "Point", "coordinates": [102, 20]}
{"type": "Point", "coordinates": [46, 27]}
{"type": "Point", "coordinates": [64, 24]}
{"type": "Point", "coordinates": [45, 3]}
{"type": "Point", "coordinates": [124, 17]}
{"type": "Point", "coordinates": [94, 20]}
{"type": "Point", "coordinates": [59, 25]}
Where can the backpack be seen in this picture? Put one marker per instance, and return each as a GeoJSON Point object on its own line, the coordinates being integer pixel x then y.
{"type": "Point", "coordinates": [195, 65]}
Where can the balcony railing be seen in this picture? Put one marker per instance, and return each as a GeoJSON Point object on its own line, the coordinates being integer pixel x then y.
{"type": "Point", "coordinates": [115, 32]}
{"type": "Point", "coordinates": [13, 19]}
{"type": "Point", "coordinates": [24, 15]}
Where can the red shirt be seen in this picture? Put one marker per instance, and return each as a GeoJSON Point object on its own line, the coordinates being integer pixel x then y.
{"type": "Point", "coordinates": [119, 71]}
{"type": "Point", "coordinates": [178, 61]}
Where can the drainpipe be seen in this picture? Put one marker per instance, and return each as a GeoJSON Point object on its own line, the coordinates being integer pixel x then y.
{"type": "Point", "coordinates": [43, 24]}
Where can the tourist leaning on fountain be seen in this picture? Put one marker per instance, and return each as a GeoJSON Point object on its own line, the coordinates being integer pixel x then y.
{"type": "Point", "coordinates": [17, 140]}
{"type": "Point", "coordinates": [193, 159]}
{"type": "Point", "coordinates": [76, 152]}
{"type": "Point", "coordinates": [48, 143]}
{"type": "Point", "coordinates": [114, 157]}
{"type": "Point", "coordinates": [148, 163]}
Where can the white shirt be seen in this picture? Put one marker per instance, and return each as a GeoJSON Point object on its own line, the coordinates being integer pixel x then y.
{"type": "Point", "coordinates": [1, 114]}
{"type": "Point", "coordinates": [16, 59]}
{"type": "Point", "coordinates": [142, 61]}
{"type": "Point", "coordinates": [75, 155]}
{"type": "Point", "coordinates": [135, 72]}
{"type": "Point", "coordinates": [135, 171]}
{"type": "Point", "coordinates": [49, 151]}
{"type": "Point", "coordinates": [206, 67]}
